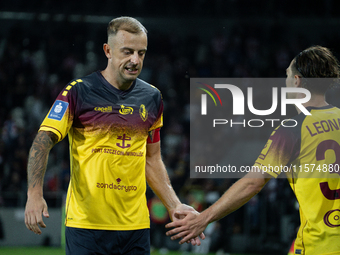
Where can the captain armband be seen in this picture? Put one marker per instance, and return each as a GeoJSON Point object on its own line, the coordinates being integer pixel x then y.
{"type": "Point", "coordinates": [154, 136]}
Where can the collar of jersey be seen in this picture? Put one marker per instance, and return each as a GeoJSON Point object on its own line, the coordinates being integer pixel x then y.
{"type": "Point", "coordinates": [114, 89]}
{"type": "Point", "coordinates": [319, 108]}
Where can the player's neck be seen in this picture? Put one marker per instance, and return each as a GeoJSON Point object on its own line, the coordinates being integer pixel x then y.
{"type": "Point", "coordinates": [114, 82]}
{"type": "Point", "coordinates": [315, 101]}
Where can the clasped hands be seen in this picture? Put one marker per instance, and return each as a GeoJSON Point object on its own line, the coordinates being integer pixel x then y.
{"type": "Point", "coordinates": [187, 224]}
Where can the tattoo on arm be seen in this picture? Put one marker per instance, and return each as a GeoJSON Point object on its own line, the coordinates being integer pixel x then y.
{"type": "Point", "coordinates": [38, 156]}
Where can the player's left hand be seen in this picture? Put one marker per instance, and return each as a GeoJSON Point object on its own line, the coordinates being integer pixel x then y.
{"type": "Point", "coordinates": [180, 212]}
{"type": "Point", "coordinates": [187, 228]}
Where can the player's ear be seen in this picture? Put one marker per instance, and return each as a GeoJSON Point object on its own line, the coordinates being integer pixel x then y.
{"type": "Point", "coordinates": [107, 50]}
{"type": "Point", "coordinates": [297, 81]}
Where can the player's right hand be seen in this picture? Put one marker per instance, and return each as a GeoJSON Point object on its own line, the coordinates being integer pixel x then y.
{"type": "Point", "coordinates": [35, 207]}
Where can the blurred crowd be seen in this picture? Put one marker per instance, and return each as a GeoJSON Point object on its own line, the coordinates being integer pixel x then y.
{"type": "Point", "coordinates": [213, 8]}
{"type": "Point", "coordinates": [37, 59]}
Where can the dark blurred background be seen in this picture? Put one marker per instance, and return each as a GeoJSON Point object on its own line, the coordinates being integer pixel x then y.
{"type": "Point", "coordinates": [45, 44]}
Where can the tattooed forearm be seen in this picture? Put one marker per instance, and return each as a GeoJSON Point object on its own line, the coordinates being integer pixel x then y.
{"type": "Point", "coordinates": [38, 156]}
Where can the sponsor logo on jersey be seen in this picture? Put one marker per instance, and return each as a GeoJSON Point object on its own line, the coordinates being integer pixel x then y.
{"type": "Point", "coordinates": [102, 185]}
{"type": "Point", "coordinates": [143, 113]}
{"type": "Point", "coordinates": [124, 138]}
{"type": "Point", "coordinates": [103, 109]}
{"type": "Point", "coordinates": [118, 152]}
{"type": "Point", "coordinates": [58, 110]}
{"type": "Point", "coordinates": [125, 110]}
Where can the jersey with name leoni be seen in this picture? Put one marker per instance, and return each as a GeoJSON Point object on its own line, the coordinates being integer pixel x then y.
{"type": "Point", "coordinates": [108, 131]}
{"type": "Point", "coordinates": [309, 155]}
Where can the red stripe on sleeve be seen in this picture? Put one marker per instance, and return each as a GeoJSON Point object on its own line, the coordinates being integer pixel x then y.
{"type": "Point", "coordinates": [156, 137]}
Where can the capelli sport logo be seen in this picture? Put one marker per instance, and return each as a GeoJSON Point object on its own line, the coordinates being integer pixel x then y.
{"type": "Point", "coordinates": [103, 109]}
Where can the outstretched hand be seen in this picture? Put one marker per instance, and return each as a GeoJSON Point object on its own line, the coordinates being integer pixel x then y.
{"type": "Point", "coordinates": [187, 228]}
{"type": "Point", "coordinates": [180, 222]}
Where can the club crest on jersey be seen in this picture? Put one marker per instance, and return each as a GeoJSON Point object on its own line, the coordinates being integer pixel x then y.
{"type": "Point", "coordinates": [143, 113]}
{"type": "Point", "coordinates": [58, 110]}
{"type": "Point", "coordinates": [125, 110]}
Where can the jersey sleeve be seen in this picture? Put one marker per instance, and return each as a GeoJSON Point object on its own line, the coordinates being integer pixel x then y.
{"type": "Point", "coordinates": [60, 117]}
{"type": "Point", "coordinates": [154, 136]}
{"type": "Point", "coordinates": [159, 120]}
{"type": "Point", "coordinates": [281, 148]}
